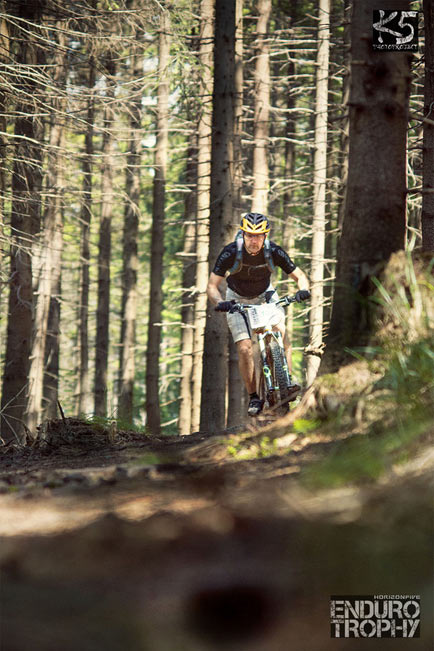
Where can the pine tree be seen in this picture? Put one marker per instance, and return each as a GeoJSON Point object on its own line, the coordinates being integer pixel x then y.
{"type": "Point", "coordinates": [203, 201]}
{"type": "Point", "coordinates": [215, 363]}
{"type": "Point", "coordinates": [319, 198]}
{"type": "Point", "coordinates": [157, 242]}
{"type": "Point", "coordinates": [262, 111]}
{"type": "Point", "coordinates": [25, 220]}
{"type": "Point", "coordinates": [428, 132]}
{"type": "Point", "coordinates": [236, 392]}
{"type": "Point", "coordinates": [83, 377]}
{"type": "Point", "coordinates": [104, 246]}
{"type": "Point", "coordinates": [52, 243]}
{"type": "Point", "coordinates": [130, 237]}
{"type": "Point", "coordinates": [374, 223]}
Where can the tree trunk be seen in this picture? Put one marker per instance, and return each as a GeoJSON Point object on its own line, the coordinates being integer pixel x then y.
{"type": "Point", "coordinates": [4, 61]}
{"type": "Point", "coordinates": [188, 277]}
{"type": "Point", "coordinates": [157, 242]}
{"type": "Point", "coordinates": [49, 273]}
{"type": "Point", "coordinates": [262, 111]}
{"type": "Point", "coordinates": [345, 105]}
{"type": "Point", "coordinates": [238, 114]}
{"type": "Point", "coordinates": [336, 208]}
{"type": "Point", "coordinates": [428, 132]}
{"type": "Point", "coordinates": [83, 388]}
{"type": "Point", "coordinates": [374, 223]}
{"type": "Point", "coordinates": [52, 342]}
{"type": "Point", "coordinates": [319, 195]}
{"type": "Point", "coordinates": [104, 251]}
{"type": "Point", "coordinates": [216, 332]}
{"type": "Point", "coordinates": [52, 345]}
{"type": "Point", "coordinates": [25, 223]}
{"type": "Point", "coordinates": [203, 202]}
{"type": "Point", "coordinates": [288, 237]}
{"type": "Point", "coordinates": [130, 260]}
{"type": "Point", "coordinates": [236, 392]}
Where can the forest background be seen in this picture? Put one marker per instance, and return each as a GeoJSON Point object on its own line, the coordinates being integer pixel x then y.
{"type": "Point", "coordinates": [133, 136]}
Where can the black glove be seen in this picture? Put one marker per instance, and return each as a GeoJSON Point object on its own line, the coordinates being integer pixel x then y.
{"type": "Point", "coordinates": [302, 295]}
{"type": "Point", "coordinates": [225, 306]}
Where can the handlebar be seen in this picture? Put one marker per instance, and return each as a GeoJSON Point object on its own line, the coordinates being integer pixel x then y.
{"type": "Point", "coordinates": [286, 300]}
{"type": "Point", "coordinates": [240, 307]}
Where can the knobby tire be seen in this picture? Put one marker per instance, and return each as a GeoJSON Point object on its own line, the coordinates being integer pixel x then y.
{"type": "Point", "coordinates": [280, 377]}
{"type": "Point", "coordinates": [278, 401]}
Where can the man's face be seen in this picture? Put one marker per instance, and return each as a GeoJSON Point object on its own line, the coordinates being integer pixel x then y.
{"type": "Point", "coordinates": [254, 243]}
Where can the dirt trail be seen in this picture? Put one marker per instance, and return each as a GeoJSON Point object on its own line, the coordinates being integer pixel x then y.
{"type": "Point", "coordinates": [170, 544]}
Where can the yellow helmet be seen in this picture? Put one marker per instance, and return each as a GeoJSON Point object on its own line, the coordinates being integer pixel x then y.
{"type": "Point", "coordinates": [255, 223]}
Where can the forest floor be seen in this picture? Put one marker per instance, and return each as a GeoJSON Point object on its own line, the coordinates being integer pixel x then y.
{"type": "Point", "coordinates": [117, 541]}
{"type": "Point", "coordinates": [123, 541]}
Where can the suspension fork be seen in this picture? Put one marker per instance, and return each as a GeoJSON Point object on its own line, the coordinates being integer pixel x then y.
{"type": "Point", "coordinates": [265, 365]}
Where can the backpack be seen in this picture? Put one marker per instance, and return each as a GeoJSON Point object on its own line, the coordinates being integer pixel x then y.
{"type": "Point", "coordinates": [237, 266]}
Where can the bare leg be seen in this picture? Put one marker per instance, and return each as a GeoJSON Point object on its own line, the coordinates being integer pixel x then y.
{"type": "Point", "coordinates": [246, 364]}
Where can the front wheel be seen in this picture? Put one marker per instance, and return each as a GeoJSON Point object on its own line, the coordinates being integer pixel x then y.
{"type": "Point", "coordinates": [280, 379]}
{"type": "Point", "coordinates": [278, 400]}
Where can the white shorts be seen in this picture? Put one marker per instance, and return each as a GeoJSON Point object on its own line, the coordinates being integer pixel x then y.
{"type": "Point", "coordinates": [236, 322]}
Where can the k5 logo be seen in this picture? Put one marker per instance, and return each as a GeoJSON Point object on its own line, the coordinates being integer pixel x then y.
{"type": "Point", "coordinates": [395, 30]}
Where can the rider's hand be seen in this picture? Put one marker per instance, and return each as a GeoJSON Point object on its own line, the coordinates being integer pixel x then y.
{"type": "Point", "coordinates": [225, 306]}
{"type": "Point", "coordinates": [302, 295]}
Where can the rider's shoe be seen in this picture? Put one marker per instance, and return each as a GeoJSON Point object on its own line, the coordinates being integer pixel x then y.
{"type": "Point", "coordinates": [255, 406]}
{"type": "Point", "coordinates": [293, 391]}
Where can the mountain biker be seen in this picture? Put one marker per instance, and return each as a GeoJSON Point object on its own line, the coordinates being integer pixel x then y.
{"type": "Point", "coordinates": [248, 263]}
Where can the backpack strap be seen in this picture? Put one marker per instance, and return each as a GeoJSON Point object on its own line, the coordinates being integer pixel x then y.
{"type": "Point", "coordinates": [268, 255]}
{"type": "Point", "coordinates": [238, 263]}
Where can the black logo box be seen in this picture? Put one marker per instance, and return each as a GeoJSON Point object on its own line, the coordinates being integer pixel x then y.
{"type": "Point", "coordinates": [352, 599]}
{"type": "Point", "coordinates": [384, 597]}
{"type": "Point", "coordinates": [395, 29]}
{"type": "Point", "coordinates": [338, 621]}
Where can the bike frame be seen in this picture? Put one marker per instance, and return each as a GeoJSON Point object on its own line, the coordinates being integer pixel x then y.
{"type": "Point", "coordinates": [260, 320]}
{"type": "Point", "coordinates": [264, 334]}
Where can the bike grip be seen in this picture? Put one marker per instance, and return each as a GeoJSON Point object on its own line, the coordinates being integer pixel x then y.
{"type": "Point", "coordinates": [224, 306]}
{"type": "Point", "coordinates": [302, 295]}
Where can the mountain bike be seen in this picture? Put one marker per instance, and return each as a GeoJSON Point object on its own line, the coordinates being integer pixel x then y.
{"type": "Point", "coordinates": [275, 379]}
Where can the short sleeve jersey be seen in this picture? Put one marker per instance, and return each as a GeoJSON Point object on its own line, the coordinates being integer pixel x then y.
{"type": "Point", "coordinates": [254, 275]}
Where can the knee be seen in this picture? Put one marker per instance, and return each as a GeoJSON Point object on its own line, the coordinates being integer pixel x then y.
{"type": "Point", "coordinates": [244, 348]}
